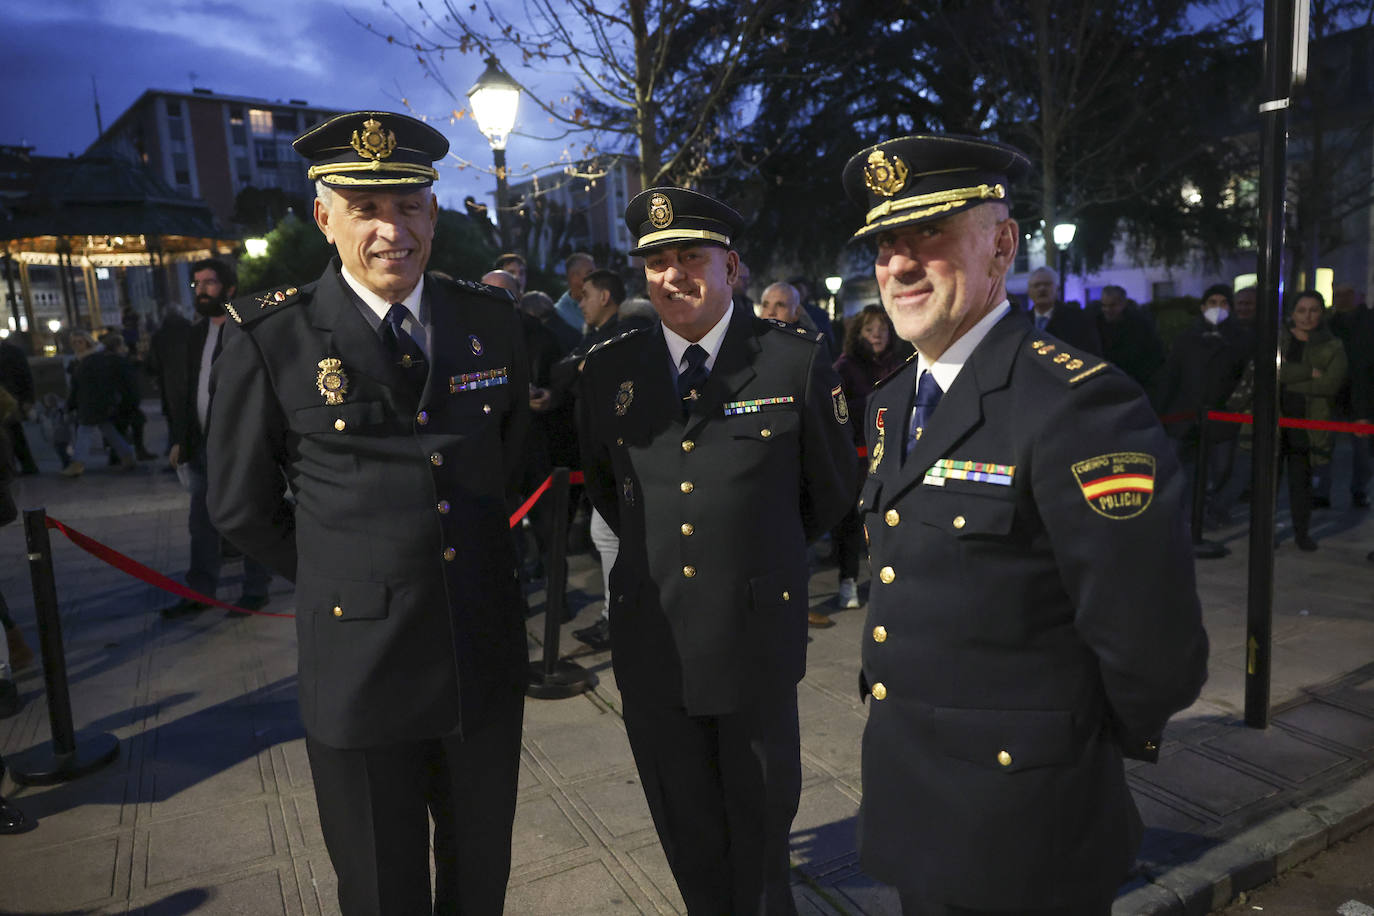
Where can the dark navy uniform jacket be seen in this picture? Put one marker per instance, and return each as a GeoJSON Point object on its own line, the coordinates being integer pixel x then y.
{"type": "Point", "coordinates": [408, 611]}
{"type": "Point", "coordinates": [1033, 617]}
{"type": "Point", "coordinates": [709, 592]}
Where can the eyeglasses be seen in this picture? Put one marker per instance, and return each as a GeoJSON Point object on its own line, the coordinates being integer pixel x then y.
{"type": "Point", "coordinates": [198, 283]}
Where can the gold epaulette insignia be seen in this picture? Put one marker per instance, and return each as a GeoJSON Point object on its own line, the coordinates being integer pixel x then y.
{"type": "Point", "coordinates": [1068, 361]}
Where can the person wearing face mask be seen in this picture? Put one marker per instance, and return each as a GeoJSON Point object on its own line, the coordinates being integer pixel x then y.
{"type": "Point", "coordinates": [1203, 368]}
{"type": "Point", "coordinates": [187, 392]}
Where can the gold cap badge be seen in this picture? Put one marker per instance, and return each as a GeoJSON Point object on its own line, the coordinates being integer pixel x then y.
{"type": "Point", "coordinates": [883, 175]}
{"type": "Point", "coordinates": [660, 211]}
{"type": "Point", "coordinates": [331, 381]}
{"type": "Point", "coordinates": [374, 143]}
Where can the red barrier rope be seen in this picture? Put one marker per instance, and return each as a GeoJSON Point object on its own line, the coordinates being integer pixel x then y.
{"type": "Point", "coordinates": [1360, 429]}
{"type": "Point", "coordinates": [136, 569]}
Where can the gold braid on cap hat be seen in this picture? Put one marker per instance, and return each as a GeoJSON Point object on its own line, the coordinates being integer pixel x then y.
{"type": "Point", "coordinates": [952, 196]}
{"type": "Point", "coordinates": [375, 165]}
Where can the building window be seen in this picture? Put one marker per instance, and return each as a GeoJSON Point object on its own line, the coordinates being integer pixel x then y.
{"type": "Point", "coordinates": [176, 129]}
{"type": "Point", "coordinates": [181, 166]}
{"type": "Point", "coordinates": [173, 107]}
{"type": "Point", "coordinates": [285, 122]}
{"type": "Point", "coordinates": [261, 122]}
{"type": "Point", "coordinates": [267, 155]}
{"type": "Point", "coordinates": [242, 166]}
{"type": "Point", "coordinates": [239, 134]}
{"type": "Point", "coordinates": [236, 114]}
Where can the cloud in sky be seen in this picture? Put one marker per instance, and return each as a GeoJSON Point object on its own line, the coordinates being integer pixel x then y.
{"type": "Point", "coordinates": [300, 49]}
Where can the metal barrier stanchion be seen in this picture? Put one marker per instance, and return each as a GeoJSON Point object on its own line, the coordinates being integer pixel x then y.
{"type": "Point", "coordinates": [70, 755]}
{"type": "Point", "coordinates": [1203, 549]}
{"type": "Point", "coordinates": [555, 678]}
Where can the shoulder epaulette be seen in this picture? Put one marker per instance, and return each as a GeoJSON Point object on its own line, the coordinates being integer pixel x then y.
{"type": "Point", "coordinates": [1065, 363]}
{"type": "Point", "coordinates": [611, 341]}
{"type": "Point", "coordinates": [247, 309]}
{"type": "Point", "coordinates": [795, 330]}
{"type": "Point", "coordinates": [482, 289]}
{"type": "Point", "coordinates": [893, 374]}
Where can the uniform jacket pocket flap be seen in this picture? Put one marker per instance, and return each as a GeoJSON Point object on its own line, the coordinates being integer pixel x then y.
{"type": "Point", "coordinates": [348, 599]}
{"type": "Point", "coordinates": [967, 515]}
{"type": "Point", "coordinates": [325, 417]}
{"type": "Point", "coordinates": [764, 425]}
{"type": "Point", "coordinates": [868, 496]}
{"type": "Point", "coordinates": [1006, 739]}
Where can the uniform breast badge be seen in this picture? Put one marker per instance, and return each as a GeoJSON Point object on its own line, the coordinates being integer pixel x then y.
{"type": "Point", "coordinates": [881, 445]}
{"type": "Point", "coordinates": [1119, 485]}
{"type": "Point", "coordinates": [475, 342]}
{"type": "Point", "coordinates": [624, 397]}
{"type": "Point", "coordinates": [332, 381]}
{"type": "Point", "coordinates": [841, 405]}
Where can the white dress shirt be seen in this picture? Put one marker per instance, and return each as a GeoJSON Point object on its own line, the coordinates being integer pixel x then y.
{"type": "Point", "coordinates": [416, 324]}
{"type": "Point", "coordinates": [710, 342]}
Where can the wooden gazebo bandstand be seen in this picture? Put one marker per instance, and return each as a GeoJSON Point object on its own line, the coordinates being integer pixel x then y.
{"type": "Point", "coordinates": [102, 210]}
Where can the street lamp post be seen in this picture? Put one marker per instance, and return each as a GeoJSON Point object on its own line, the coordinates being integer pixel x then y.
{"type": "Point", "coordinates": [494, 99]}
{"type": "Point", "coordinates": [1063, 238]}
{"type": "Point", "coordinates": [833, 284]}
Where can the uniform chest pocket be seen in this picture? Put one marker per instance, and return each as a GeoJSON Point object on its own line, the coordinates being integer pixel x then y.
{"type": "Point", "coordinates": [968, 515]}
{"type": "Point", "coordinates": [350, 416]}
{"type": "Point", "coordinates": [764, 426]}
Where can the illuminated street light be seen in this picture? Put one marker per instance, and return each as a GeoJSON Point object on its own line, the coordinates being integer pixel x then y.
{"type": "Point", "coordinates": [54, 325]}
{"type": "Point", "coordinates": [833, 284]}
{"type": "Point", "coordinates": [255, 248]}
{"type": "Point", "coordinates": [1063, 238]}
{"type": "Point", "coordinates": [494, 99]}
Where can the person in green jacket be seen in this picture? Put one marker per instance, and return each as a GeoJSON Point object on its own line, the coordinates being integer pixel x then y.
{"type": "Point", "coordinates": [1312, 371]}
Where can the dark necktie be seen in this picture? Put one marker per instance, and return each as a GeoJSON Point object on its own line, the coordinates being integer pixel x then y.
{"type": "Point", "coordinates": [1041, 320]}
{"type": "Point", "coordinates": [928, 394]}
{"type": "Point", "coordinates": [691, 382]}
{"type": "Point", "coordinates": [403, 348]}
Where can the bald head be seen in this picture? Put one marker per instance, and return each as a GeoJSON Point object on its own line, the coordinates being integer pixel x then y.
{"type": "Point", "coordinates": [782, 302]}
{"type": "Point", "coordinates": [506, 281]}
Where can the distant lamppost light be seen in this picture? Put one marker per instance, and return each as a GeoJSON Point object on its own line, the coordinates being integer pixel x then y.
{"type": "Point", "coordinates": [1063, 234]}
{"type": "Point", "coordinates": [4, 333]}
{"type": "Point", "coordinates": [494, 99]}
{"type": "Point", "coordinates": [54, 325]}
{"type": "Point", "coordinates": [833, 284]}
{"type": "Point", "coordinates": [255, 248]}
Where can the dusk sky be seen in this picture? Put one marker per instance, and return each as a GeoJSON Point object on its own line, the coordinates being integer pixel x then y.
{"type": "Point", "coordinates": [272, 49]}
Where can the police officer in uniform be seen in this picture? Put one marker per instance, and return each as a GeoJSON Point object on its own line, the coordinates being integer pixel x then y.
{"type": "Point", "coordinates": [391, 403]}
{"type": "Point", "coordinates": [716, 445]}
{"type": "Point", "coordinates": [1034, 616]}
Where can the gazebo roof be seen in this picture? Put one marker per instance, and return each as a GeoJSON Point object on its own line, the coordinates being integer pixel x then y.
{"type": "Point", "coordinates": [92, 201]}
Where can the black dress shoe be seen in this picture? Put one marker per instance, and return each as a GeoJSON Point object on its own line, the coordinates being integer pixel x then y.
{"type": "Point", "coordinates": [183, 608]}
{"type": "Point", "coordinates": [598, 635]}
{"type": "Point", "coordinates": [247, 603]}
{"type": "Point", "coordinates": [1306, 543]}
{"type": "Point", "coordinates": [1321, 502]}
{"type": "Point", "coordinates": [12, 820]}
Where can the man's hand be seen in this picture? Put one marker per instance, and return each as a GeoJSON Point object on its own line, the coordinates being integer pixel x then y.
{"type": "Point", "coordinates": [540, 398]}
{"type": "Point", "coordinates": [174, 456]}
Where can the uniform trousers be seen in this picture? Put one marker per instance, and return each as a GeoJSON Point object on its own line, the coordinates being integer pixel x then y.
{"type": "Point", "coordinates": [723, 791]}
{"type": "Point", "coordinates": [915, 905]}
{"type": "Point", "coordinates": [375, 804]}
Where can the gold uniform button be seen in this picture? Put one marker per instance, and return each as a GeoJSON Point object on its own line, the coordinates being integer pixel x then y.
{"type": "Point", "coordinates": [619, 441]}
{"type": "Point", "coordinates": [765, 432]}
{"type": "Point", "coordinates": [786, 596]}
{"type": "Point", "coordinates": [422, 417]}
{"type": "Point", "coordinates": [959, 521]}
{"type": "Point", "coordinates": [1004, 758]}
{"type": "Point", "coordinates": [443, 507]}
{"type": "Point", "coordinates": [688, 572]}
{"type": "Point", "coordinates": [339, 425]}
{"type": "Point", "coordinates": [687, 529]}
{"type": "Point", "coordinates": [486, 408]}
{"type": "Point", "coordinates": [686, 486]}
{"type": "Point", "coordinates": [887, 574]}
{"type": "Point", "coordinates": [688, 445]}
{"type": "Point", "coordinates": [1151, 746]}
{"type": "Point", "coordinates": [450, 553]}
{"type": "Point", "coordinates": [880, 634]}
{"type": "Point", "coordinates": [879, 691]}
{"type": "Point", "coordinates": [405, 360]}
{"type": "Point", "coordinates": [436, 459]}
{"type": "Point", "coordinates": [338, 611]}
{"type": "Point", "coordinates": [892, 518]}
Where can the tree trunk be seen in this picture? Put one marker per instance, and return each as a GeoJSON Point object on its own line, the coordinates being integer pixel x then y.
{"type": "Point", "coordinates": [645, 109]}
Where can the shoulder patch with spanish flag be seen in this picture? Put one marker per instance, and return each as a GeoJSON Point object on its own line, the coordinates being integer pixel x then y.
{"type": "Point", "coordinates": [1118, 485]}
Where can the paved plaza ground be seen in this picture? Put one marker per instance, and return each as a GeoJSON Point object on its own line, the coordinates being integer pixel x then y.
{"type": "Point", "coordinates": [209, 806]}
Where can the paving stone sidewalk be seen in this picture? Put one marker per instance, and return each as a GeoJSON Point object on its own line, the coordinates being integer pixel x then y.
{"type": "Point", "coordinates": [209, 807]}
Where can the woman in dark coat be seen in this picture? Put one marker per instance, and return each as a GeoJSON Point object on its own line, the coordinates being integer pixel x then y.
{"type": "Point", "coordinates": [872, 351]}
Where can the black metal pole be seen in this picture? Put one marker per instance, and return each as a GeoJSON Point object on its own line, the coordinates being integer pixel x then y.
{"type": "Point", "coordinates": [1278, 79]}
{"type": "Point", "coordinates": [68, 757]}
{"type": "Point", "coordinates": [502, 216]}
{"type": "Point", "coordinates": [555, 678]}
